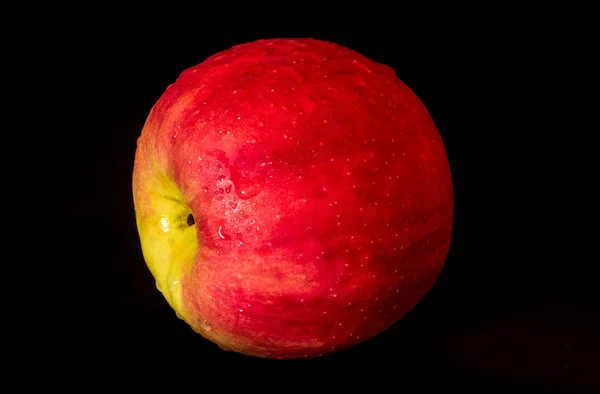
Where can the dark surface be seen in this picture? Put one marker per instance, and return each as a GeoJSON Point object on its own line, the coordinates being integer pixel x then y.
{"type": "Point", "coordinates": [511, 310]}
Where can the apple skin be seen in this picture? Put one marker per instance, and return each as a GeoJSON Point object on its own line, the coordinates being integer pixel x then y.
{"type": "Point", "coordinates": [293, 198]}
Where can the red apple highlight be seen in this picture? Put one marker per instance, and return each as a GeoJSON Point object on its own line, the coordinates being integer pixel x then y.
{"type": "Point", "coordinates": [292, 197]}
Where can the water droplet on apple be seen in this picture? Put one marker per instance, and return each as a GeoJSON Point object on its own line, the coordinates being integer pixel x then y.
{"type": "Point", "coordinates": [255, 70]}
{"type": "Point", "coordinates": [307, 106]}
{"type": "Point", "coordinates": [173, 282]}
{"type": "Point", "coordinates": [164, 224]}
{"type": "Point", "coordinates": [205, 324]}
{"type": "Point", "coordinates": [222, 234]}
{"type": "Point", "coordinates": [358, 81]}
{"type": "Point", "coordinates": [247, 190]}
{"type": "Point", "coordinates": [245, 110]}
{"type": "Point", "coordinates": [159, 286]}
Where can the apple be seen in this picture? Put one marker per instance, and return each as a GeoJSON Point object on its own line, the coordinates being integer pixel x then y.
{"type": "Point", "coordinates": [293, 198]}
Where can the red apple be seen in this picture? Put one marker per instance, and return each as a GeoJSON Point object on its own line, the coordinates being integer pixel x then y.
{"type": "Point", "coordinates": [292, 197]}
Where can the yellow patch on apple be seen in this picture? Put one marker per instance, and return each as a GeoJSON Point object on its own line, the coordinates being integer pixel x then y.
{"type": "Point", "coordinates": [168, 241]}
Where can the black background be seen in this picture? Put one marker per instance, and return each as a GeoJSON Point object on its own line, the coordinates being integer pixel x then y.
{"type": "Point", "coordinates": [512, 310]}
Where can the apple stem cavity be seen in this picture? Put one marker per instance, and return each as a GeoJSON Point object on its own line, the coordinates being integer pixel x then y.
{"type": "Point", "coordinates": [190, 220]}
